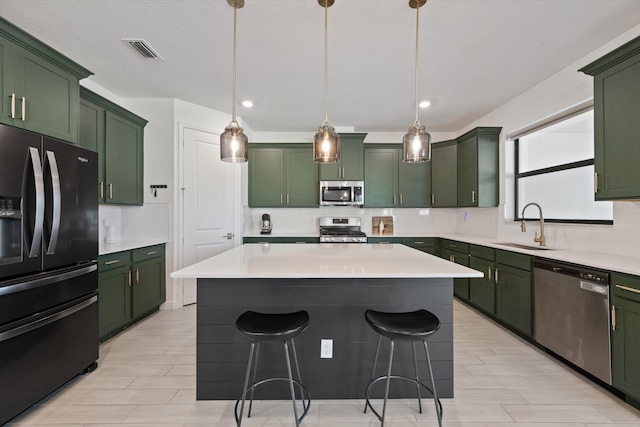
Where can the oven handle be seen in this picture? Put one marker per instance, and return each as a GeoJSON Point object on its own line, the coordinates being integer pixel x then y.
{"type": "Point", "coordinates": [21, 330]}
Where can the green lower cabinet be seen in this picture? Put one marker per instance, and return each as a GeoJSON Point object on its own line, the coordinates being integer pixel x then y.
{"type": "Point", "coordinates": [514, 290]}
{"type": "Point", "coordinates": [384, 240]}
{"type": "Point", "coordinates": [460, 286]}
{"type": "Point", "coordinates": [131, 284]}
{"type": "Point", "coordinates": [114, 300]}
{"type": "Point", "coordinates": [425, 244]}
{"type": "Point", "coordinates": [625, 339]}
{"type": "Point", "coordinates": [482, 290]}
{"type": "Point", "coordinates": [269, 239]}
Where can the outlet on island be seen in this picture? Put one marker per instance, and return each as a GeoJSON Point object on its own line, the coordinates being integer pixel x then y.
{"type": "Point", "coordinates": [326, 349]}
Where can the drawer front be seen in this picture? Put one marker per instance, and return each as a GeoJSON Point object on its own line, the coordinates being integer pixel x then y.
{"type": "Point", "coordinates": [149, 252]}
{"type": "Point", "coordinates": [455, 246]}
{"type": "Point", "coordinates": [625, 286]}
{"type": "Point", "coordinates": [514, 259]}
{"type": "Point", "coordinates": [483, 252]}
{"type": "Point", "coordinates": [384, 240]}
{"type": "Point", "coordinates": [300, 240]}
{"type": "Point", "coordinates": [114, 260]}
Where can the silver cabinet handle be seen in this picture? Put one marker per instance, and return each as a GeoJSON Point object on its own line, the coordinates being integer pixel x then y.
{"type": "Point", "coordinates": [613, 317]}
{"type": "Point", "coordinates": [57, 202]}
{"type": "Point", "coordinates": [287, 198]}
{"type": "Point", "coordinates": [495, 276]}
{"type": "Point", "coordinates": [24, 109]}
{"type": "Point", "coordinates": [490, 274]}
{"type": "Point", "coordinates": [129, 278]}
{"type": "Point", "coordinates": [418, 243]}
{"type": "Point", "coordinates": [473, 196]}
{"type": "Point", "coordinates": [110, 191]}
{"type": "Point", "coordinates": [137, 276]}
{"type": "Point", "coordinates": [13, 105]}
{"type": "Point", "coordinates": [151, 253]}
{"type": "Point", "coordinates": [595, 182]}
{"type": "Point", "coordinates": [39, 184]}
{"type": "Point", "coordinates": [394, 199]}
{"type": "Point", "coordinates": [401, 199]}
{"type": "Point", "coordinates": [626, 288]}
{"type": "Point", "coordinates": [280, 198]}
{"type": "Point", "coordinates": [115, 261]}
{"type": "Point", "coordinates": [433, 199]}
{"type": "Point", "coordinates": [101, 188]}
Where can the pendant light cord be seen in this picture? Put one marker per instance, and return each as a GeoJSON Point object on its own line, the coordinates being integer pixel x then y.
{"type": "Point", "coordinates": [417, 123]}
{"type": "Point", "coordinates": [233, 116]}
{"type": "Point", "coordinates": [326, 63]}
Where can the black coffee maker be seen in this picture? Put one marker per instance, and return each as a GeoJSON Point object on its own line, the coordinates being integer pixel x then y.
{"type": "Point", "coordinates": [265, 224]}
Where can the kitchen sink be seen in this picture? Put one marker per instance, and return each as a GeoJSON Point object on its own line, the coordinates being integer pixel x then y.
{"type": "Point", "coordinates": [528, 247]}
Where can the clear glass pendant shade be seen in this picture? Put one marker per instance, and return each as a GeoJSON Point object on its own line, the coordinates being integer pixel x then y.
{"type": "Point", "coordinates": [416, 145]}
{"type": "Point", "coordinates": [234, 144]}
{"type": "Point", "coordinates": [326, 145]}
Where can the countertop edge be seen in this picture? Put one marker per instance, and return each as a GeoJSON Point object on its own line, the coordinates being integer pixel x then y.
{"type": "Point", "coordinates": [127, 245]}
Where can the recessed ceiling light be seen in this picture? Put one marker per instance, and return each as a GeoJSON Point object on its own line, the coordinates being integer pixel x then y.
{"type": "Point", "coordinates": [247, 104]}
{"type": "Point", "coordinates": [425, 104]}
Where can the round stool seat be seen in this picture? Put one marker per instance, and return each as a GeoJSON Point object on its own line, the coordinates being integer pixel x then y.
{"type": "Point", "coordinates": [263, 327]}
{"type": "Point", "coordinates": [411, 326]}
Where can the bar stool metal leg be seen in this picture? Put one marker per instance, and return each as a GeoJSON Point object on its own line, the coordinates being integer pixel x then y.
{"type": "Point", "coordinates": [253, 380]}
{"type": "Point", "coordinates": [293, 392]}
{"type": "Point", "coordinates": [415, 366]}
{"type": "Point", "coordinates": [386, 391]}
{"type": "Point", "coordinates": [433, 386]}
{"type": "Point", "coordinates": [246, 385]}
{"type": "Point", "coordinates": [373, 371]}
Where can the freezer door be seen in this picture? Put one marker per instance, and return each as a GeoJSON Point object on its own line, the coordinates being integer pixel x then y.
{"type": "Point", "coordinates": [21, 202]}
{"type": "Point", "coordinates": [70, 233]}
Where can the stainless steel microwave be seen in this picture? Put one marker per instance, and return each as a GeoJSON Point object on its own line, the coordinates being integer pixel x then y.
{"type": "Point", "coordinates": [341, 193]}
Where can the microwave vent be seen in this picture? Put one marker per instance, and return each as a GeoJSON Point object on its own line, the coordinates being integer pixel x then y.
{"type": "Point", "coordinates": [143, 48]}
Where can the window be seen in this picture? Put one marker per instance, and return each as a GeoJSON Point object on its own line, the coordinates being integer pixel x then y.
{"type": "Point", "coordinates": [554, 168]}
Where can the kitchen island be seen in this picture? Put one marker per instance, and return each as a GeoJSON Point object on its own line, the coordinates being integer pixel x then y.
{"type": "Point", "coordinates": [335, 283]}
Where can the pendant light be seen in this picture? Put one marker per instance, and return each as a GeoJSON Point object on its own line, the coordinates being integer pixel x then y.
{"type": "Point", "coordinates": [234, 144]}
{"type": "Point", "coordinates": [416, 144]}
{"type": "Point", "coordinates": [326, 142]}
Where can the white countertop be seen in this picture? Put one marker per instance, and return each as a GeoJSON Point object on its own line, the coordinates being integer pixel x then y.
{"type": "Point", "coordinates": [126, 245]}
{"type": "Point", "coordinates": [325, 260]}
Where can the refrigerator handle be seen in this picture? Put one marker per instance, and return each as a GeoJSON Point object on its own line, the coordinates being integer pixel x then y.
{"type": "Point", "coordinates": [39, 184]}
{"type": "Point", "coordinates": [57, 199]}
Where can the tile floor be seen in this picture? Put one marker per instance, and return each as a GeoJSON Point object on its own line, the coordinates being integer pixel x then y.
{"type": "Point", "coordinates": [147, 378]}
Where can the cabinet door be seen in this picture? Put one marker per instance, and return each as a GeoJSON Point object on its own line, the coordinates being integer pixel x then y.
{"type": "Point", "coordinates": [460, 286]}
{"type": "Point", "coordinates": [467, 171]}
{"type": "Point", "coordinates": [514, 297]}
{"type": "Point", "coordinates": [617, 101]}
{"type": "Point", "coordinates": [482, 289]}
{"type": "Point", "coordinates": [6, 80]}
{"type": "Point", "coordinates": [301, 178]}
{"type": "Point", "coordinates": [381, 177]}
{"type": "Point", "coordinates": [91, 136]}
{"type": "Point", "coordinates": [266, 177]}
{"type": "Point", "coordinates": [444, 182]}
{"type": "Point", "coordinates": [123, 160]}
{"type": "Point", "coordinates": [625, 347]}
{"type": "Point", "coordinates": [48, 96]}
{"type": "Point", "coordinates": [351, 164]}
{"type": "Point", "coordinates": [114, 300]}
{"type": "Point", "coordinates": [414, 184]}
{"type": "Point", "coordinates": [424, 244]}
{"type": "Point", "coordinates": [148, 286]}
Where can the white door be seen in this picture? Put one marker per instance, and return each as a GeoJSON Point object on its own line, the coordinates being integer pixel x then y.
{"type": "Point", "coordinates": [208, 186]}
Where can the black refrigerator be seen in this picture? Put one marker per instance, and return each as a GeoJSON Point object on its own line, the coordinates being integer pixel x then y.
{"type": "Point", "coordinates": [48, 266]}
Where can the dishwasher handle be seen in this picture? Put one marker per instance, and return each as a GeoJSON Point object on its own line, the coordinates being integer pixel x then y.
{"type": "Point", "coordinates": [594, 287]}
{"type": "Point", "coordinates": [600, 277]}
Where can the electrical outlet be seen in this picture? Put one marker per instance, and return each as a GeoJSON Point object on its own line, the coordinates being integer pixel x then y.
{"type": "Point", "coordinates": [326, 349]}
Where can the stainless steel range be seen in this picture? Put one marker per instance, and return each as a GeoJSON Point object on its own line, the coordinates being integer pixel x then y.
{"type": "Point", "coordinates": [341, 230]}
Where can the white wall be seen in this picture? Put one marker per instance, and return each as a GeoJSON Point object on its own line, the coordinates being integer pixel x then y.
{"type": "Point", "coordinates": [560, 91]}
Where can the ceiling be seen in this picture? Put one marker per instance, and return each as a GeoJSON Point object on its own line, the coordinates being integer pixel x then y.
{"type": "Point", "coordinates": [475, 55]}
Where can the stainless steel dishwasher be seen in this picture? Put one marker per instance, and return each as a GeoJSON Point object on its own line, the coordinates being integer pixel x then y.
{"type": "Point", "coordinates": [572, 315]}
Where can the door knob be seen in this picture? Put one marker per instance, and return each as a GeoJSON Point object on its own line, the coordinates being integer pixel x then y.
{"type": "Point", "coordinates": [229, 236]}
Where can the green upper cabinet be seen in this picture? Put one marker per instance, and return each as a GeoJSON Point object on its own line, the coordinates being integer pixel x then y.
{"type": "Point", "coordinates": [350, 166]}
{"type": "Point", "coordinates": [282, 175]}
{"type": "Point", "coordinates": [616, 105]}
{"type": "Point", "coordinates": [389, 182]}
{"type": "Point", "coordinates": [477, 167]}
{"type": "Point", "coordinates": [40, 87]}
{"type": "Point", "coordinates": [118, 137]}
{"type": "Point", "coordinates": [444, 176]}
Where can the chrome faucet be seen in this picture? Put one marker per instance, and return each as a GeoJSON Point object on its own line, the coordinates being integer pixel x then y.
{"type": "Point", "coordinates": [523, 226]}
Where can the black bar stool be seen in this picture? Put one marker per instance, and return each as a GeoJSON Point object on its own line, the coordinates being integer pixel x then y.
{"type": "Point", "coordinates": [413, 326]}
{"type": "Point", "coordinates": [260, 328]}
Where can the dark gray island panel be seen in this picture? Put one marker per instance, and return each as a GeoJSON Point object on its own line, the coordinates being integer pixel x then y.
{"type": "Point", "coordinates": [336, 307]}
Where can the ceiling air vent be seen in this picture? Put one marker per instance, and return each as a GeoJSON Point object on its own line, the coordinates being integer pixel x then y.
{"type": "Point", "coordinates": [143, 48]}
